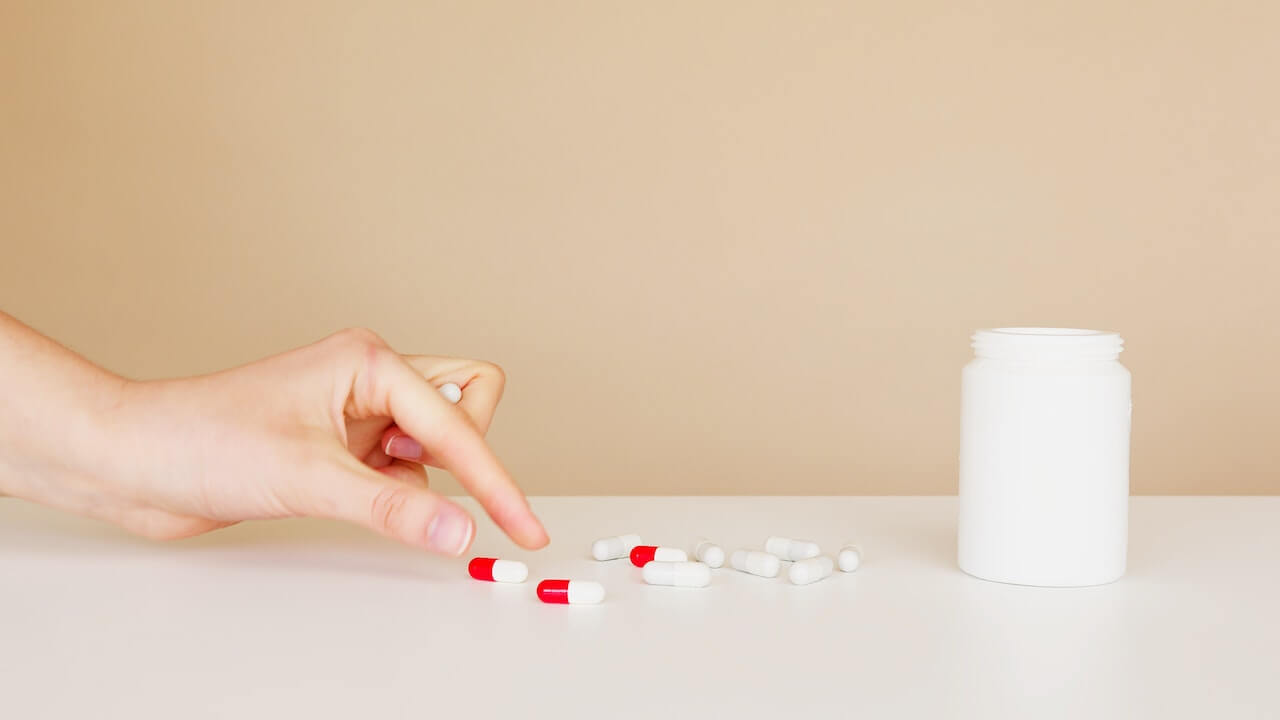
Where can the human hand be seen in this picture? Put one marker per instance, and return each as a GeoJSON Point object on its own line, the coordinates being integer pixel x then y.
{"type": "Point", "coordinates": [338, 429]}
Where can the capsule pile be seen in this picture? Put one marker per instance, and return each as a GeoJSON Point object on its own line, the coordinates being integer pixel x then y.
{"type": "Point", "coordinates": [671, 566]}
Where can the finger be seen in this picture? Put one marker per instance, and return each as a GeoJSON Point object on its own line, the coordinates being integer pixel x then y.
{"type": "Point", "coordinates": [449, 436]}
{"type": "Point", "coordinates": [400, 510]}
{"type": "Point", "coordinates": [407, 472]}
{"type": "Point", "coordinates": [481, 383]}
{"type": "Point", "coordinates": [398, 444]}
{"type": "Point", "coordinates": [377, 458]}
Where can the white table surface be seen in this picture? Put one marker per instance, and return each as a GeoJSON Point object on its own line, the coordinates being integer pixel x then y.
{"type": "Point", "coordinates": [315, 619]}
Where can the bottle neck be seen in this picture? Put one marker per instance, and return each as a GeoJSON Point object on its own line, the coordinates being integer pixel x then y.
{"type": "Point", "coordinates": [1048, 345]}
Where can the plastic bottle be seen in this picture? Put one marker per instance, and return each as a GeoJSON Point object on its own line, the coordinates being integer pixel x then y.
{"type": "Point", "coordinates": [1044, 457]}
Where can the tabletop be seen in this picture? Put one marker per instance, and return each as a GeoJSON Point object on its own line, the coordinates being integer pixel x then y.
{"type": "Point", "coordinates": [313, 619]}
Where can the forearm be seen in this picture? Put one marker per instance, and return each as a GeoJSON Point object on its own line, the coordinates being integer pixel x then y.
{"type": "Point", "coordinates": [51, 420]}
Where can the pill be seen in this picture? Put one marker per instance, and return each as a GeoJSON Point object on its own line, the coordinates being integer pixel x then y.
{"type": "Point", "coordinates": [495, 570]}
{"type": "Point", "coordinates": [850, 558]}
{"type": "Point", "coordinates": [789, 549]}
{"type": "Point", "coordinates": [451, 392]}
{"type": "Point", "coordinates": [755, 562]}
{"type": "Point", "coordinates": [679, 574]}
{"type": "Point", "coordinates": [803, 572]}
{"type": "Point", "coordinates": [612, 548]}
{"type": "Point", "coordinates": [708, 552]}
{"type": "Point", "coordinates": [642, 554]}
{"type": "Point", "coordinates": [570, 592]}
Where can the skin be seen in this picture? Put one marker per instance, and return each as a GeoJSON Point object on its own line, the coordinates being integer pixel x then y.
{"type": "Point", "coordinates": [340, 429]}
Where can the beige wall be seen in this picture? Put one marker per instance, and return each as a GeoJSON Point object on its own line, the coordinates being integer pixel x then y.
{"type": "Point", "coordinates": [720, 247]}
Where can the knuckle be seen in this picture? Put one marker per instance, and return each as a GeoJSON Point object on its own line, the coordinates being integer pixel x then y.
{"type": "Point", "coordinates": [358, 337]}
{"type": "Point", "coordinates": [388, 511]}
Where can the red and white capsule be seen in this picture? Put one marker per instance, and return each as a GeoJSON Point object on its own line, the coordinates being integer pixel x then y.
{"type": "Point", "coordinates": [570, 592]}
{"type": "Point", "coordinates": [495, 570]}
{"type": "Point", "coordinates": [644, 554]}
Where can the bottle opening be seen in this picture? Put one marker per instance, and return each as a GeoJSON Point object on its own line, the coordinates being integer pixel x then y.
{"type": "Point", "coordinates": [1033, 342]}
{"type": "Point", "coordinates": [1070, 332]}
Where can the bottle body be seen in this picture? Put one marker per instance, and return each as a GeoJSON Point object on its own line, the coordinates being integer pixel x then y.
{"type": "Point", "coordinates": [1044, 458]}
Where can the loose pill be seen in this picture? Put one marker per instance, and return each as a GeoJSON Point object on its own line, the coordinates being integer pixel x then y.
{"type": "Point", "coordinates": [709, 553]}
{"type": "Point", "coordinates": [451, 392]}
{"type": "Point", "coordinates": [755, 563]}
{"type": "Point", "coordinates": [789, 549]}
{"type": "Point", "coordinates": [495, 570]}
{"type": "Point", "coordinates": [570, 592]}
{"type": "Point", "coordinates": [679, 574]}
{"type": "Point", "coordinates": [803, 572]}
{"type": "Point", "coordinates": [642, 554]}
{"type": "Point", "coordinates": [850, 558]}
{"type": "Point", "coordinates": [613, 548]}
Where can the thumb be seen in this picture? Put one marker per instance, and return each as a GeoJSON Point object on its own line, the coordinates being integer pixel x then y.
{"type": "Point", "coordinates": [409, 513]}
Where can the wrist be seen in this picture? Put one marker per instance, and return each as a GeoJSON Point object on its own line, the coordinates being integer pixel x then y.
{"type": "Point", "coordinates": [57, 414]}
{"type": "Point", "coordinates": [62, 446]}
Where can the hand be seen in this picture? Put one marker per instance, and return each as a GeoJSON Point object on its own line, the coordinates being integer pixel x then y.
{"type": "Point", "coordinates": [339, 429]}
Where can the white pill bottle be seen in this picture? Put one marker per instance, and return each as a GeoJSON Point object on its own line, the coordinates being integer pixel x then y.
{"type": "Point", "coordinates": [1044, 457]}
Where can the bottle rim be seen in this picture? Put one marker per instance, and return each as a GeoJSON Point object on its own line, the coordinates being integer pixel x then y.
{"type": "Point", "coordinates": [1043, 341]}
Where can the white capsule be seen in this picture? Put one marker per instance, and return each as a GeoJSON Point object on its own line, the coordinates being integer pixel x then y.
{"type": "Point", "coordinates": [803, 572]}
{"type": "Point", "coordinates": [789, 549]}
{"type": "Point", "coordinates": [850, 558]}
{"type": "Point", "coordinates": [451, 392]}
{"type": "Point", "coordinates": [709, 553]}
{"type": "Point", "coordinates": [679, 574]}
{"type": "Point", "coordinates": [613, 548]}
{"type": "Point", "coordinates": [755, 562]}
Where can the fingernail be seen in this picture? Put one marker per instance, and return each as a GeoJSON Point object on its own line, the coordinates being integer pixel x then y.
{"type": "Point", "coordinates": [450, 531]}
{"type": "Point", "coordinates": [403, 446]}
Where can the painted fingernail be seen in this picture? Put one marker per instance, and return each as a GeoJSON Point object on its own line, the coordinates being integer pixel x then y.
{"type": "Point", "coordinates": [450, 531]}
{"type": "Point", "coordinates": [403, 446]}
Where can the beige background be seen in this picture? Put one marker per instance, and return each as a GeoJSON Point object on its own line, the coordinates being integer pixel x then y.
{"type": "Point", "coordinates": [719, 247]}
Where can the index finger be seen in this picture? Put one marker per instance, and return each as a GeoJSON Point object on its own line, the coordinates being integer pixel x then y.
{"type": "Point", "coordinates": [449, 435]}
